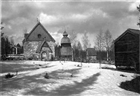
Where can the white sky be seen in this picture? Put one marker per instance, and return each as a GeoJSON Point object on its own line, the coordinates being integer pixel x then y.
{"type": "Point", "coordinates": [89, 16]}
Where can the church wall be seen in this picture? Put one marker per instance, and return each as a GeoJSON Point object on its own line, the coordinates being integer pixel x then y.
{"type": "Point", "coordinates": [33, 42]}
{"type": "Point", "coordinates": [30, 49]}
{"type": "Point", "coordinates": [52, 46]}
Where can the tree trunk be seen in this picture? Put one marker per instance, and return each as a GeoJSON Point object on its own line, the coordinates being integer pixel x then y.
{"type": "Point", "coordinates": [100, 59]}
{"type": "Point", "coordinates": [107, 55]}
{"type": "Point", "coordinates": [0, 47]}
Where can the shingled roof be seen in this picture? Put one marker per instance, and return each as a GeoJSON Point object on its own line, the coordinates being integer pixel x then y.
{"type": "Point", "coordinates": [135, 31]}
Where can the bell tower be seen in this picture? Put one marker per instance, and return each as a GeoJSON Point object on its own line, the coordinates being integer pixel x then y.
{"type": "Point", "coordinates": [66, 50]}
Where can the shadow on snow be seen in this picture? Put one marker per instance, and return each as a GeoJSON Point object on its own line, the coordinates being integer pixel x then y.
{"type": "Point", "coordinates": [22, 81]}
{"type": "Point", "coordinates": [21, 67]}
{"type": "Point", "coordinates": [133, 85]}
{"type": "Point", "coordinates": [66, 90]}
{"type": "Point", "coordinates": [77, 87]}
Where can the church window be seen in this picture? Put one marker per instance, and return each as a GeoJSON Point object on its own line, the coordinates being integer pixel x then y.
{"type": "Point", "coordinates": [39, 35]}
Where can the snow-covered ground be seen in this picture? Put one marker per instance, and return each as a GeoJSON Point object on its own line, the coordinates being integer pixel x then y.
{"type": "Point", "coordinates": [66, 79]}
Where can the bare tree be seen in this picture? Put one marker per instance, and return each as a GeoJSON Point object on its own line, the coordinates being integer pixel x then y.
{"type": "Point", "coordinates": [1, 34]}
{"type": "Point", "coordinates": [12, 41]}
{"type": "Point", "coordinates": [72, 35]}
{"type": "Point", "coordinates": [99, 44]}
{"type": "Point", "coordinates": [77, 47]}
{"type": "Point", "coordinates": [107, 42]}
{"type": "Point", "coordinates": [85, 41]}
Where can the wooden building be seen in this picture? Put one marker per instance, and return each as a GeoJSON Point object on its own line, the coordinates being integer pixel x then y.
{"type": "Point", "coordinates": [91, 55]}
{"type": "Point", "coordinates": [16, 49]}
{"type": "Point", "coordinates": [66, 50]}
{"type": "Point", "coordinates": [39, 44]}
{"type": "Point", "coordinates": [127, 49]}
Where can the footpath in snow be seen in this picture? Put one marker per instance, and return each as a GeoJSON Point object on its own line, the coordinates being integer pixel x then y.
{"type": "Point", "coordinates": [66, 79]}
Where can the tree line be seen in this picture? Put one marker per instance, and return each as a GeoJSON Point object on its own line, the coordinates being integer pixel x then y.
{"type": "Point", "coordinates": [8, 47]}
{"type": "Point", "coordinates": [103, 46]}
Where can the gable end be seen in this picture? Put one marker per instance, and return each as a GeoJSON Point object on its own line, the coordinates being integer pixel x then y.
{"type": "Point", "coordinates": [39, 24]}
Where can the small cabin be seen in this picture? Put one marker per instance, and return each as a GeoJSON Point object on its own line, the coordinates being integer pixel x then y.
{"type": "Point", "coordinates": [127, 50]}
{"type": "Point", "coordinates": [91, 55]}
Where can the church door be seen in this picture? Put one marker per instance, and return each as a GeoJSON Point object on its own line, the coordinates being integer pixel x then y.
{"type": "Point", "coordinates": [44, 55]}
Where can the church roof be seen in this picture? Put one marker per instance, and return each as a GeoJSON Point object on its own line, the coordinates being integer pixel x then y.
{"type": "Point", "coordinates": [50, 37]}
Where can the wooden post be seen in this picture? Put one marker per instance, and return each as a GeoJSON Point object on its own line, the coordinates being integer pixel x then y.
{"type": "Point", "coordinates": [0, 33]}
{"type": "Point", "coordinates": [138, 8]}
{"type": "Point", "coordinates": [139, 55]}
{"type": "Point", "coordinates": [0, 46]}
{"type": "Point", "coordinates": [114, 53]}
{"type": "Point", "coordinates": [16, 50]}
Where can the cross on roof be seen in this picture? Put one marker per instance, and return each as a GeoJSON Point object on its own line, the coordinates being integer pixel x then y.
{"type": "Point", "coordinates": [38, 19]}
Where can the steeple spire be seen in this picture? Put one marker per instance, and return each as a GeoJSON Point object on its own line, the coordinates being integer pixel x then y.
{"type": "Point", "coordinates": [65, 33]}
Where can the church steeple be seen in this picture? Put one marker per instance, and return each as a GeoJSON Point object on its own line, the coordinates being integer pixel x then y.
{"type": "Point", "coordinates": [65, 34]}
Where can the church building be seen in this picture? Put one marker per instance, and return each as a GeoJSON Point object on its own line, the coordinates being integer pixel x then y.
{"type": "Point", "coordinates": [39, 44]}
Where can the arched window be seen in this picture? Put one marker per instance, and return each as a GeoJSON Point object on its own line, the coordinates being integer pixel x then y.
{"type": "Point", "coordinates": [39, 35]}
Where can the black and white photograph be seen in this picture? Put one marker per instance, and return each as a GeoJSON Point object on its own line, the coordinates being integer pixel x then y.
{"type": "Point", "coordinates": [70, 48]}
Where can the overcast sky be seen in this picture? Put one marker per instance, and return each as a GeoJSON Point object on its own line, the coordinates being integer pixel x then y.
{"type": "Point", "coordinates": [89, 16]}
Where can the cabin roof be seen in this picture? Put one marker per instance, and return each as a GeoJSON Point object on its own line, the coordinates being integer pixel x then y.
{"type": "Point", "coordinates": [129, 30]}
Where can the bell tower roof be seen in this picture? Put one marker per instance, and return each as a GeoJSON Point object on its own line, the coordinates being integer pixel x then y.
{"type": "Point", "coordinates": [65, 38]}
{"type": "Point", "coordinates": [65, 33]}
